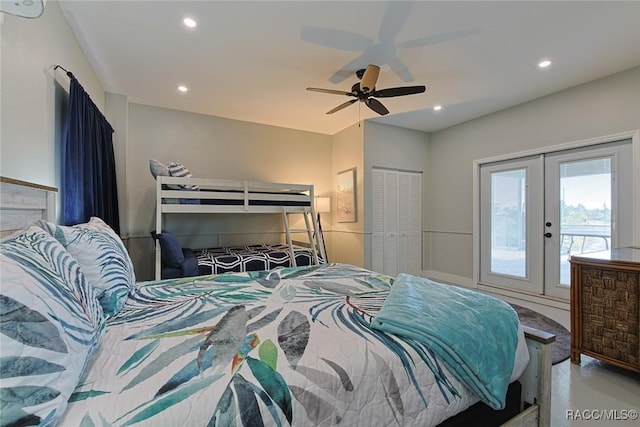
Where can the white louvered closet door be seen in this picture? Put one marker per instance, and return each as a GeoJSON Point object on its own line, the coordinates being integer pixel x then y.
{"type": "Point", "coordinates": [396, 222]}
{"type": "Point", "coordinates": [377, 220]}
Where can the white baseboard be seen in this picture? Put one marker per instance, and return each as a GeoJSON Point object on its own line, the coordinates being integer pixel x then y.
{"type": "Point", "coordinates": [450, 278]}
{"type": "Point", "coordinates": [495, 291]}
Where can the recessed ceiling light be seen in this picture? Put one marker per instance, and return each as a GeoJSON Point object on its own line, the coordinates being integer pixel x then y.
{"type": "Point", "coordinates": [183, 88]}
{"type": "Point", "coordinates": [191, 23]}
{"type": "Point", "coordinates": [437, 108]}
{"type": "Point", "coordinates": [544, 64]}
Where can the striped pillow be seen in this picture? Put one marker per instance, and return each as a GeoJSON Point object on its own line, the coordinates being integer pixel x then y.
{"type": "Point", "coordinates": [179, 170]}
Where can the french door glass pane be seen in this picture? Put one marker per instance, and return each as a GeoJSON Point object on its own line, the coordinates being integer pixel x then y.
{"type": "Point", "coordinates": [585, 209]}
{"type": "Point", "coordinates": [508, 223]}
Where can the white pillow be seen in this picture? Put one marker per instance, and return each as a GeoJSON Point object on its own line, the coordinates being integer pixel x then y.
{"type": "Point", "coordinates": [102, 257]}
{"type": "Point", "coordinates": [158, 168]}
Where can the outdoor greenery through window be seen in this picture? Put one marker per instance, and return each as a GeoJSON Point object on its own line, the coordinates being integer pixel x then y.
{"type": "Point", "coordinates": [585, 209]}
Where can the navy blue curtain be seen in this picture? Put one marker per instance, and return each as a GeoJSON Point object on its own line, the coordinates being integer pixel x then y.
{"type": "Point", "coordinates": [88, 184]}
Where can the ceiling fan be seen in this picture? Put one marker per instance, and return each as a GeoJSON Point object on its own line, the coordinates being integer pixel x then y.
{"type": "Point", "coordinates": [365, 91]}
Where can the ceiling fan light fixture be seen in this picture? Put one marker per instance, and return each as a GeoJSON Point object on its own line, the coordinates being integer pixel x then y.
{"type": "Point", "coordinates": [369, 78]}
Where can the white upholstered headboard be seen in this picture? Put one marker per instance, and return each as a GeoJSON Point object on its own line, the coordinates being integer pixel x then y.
{"type": "Point", "coordinates": [22, 203]}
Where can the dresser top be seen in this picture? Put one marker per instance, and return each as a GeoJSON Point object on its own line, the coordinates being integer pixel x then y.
{"type": "Point", "coordinates": [628, 255]}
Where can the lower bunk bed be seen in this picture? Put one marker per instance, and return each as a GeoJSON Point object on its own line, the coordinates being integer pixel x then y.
{"type": "Point", "coordinates": [257, 257]}
{"type": "Point", "coordinates": [84, 344]}
{"type": "Point", "coordinates": [186, 262]}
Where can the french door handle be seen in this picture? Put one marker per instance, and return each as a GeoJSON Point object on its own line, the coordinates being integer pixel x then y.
{"type": "Point", "coordinates": [547, 234]}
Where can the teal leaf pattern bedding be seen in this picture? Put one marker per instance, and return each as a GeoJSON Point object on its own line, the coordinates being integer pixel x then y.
{"type": "Point", "coordinates": [50, 324]}
{"type": "Point", "coordinates": [29, 327]}
{"type": "Point", "coordinates": [239, 350]}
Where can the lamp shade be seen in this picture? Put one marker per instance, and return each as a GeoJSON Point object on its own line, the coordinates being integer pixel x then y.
{"type": "Point", "coordinates": [323, 204]}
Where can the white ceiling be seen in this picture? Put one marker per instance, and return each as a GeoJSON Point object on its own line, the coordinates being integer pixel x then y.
{"type": "Point", "coordinates": [254, 60]}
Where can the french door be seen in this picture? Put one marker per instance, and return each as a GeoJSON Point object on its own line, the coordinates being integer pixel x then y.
{"type": "Point", "coordinates": [537, 211]}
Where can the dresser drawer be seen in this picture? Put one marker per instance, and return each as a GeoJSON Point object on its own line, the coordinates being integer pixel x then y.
{"type": "Point", "coordinates": [605, 308]}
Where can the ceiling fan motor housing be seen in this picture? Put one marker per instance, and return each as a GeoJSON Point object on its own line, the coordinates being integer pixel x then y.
{"type": "Point", "coordinates": [365, 91]}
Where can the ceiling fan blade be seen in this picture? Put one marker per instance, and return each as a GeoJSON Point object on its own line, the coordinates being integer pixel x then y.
{"type": "Point", "coordinates": [376, 106]}
{"type": "Point", "coordinates": [346, 71]}
{"type": "Point", "coordinates": [394, 19]}
{"type": "Point", "coordinates": [337, 39]}
{"type": "Point", "coordinates": [334, 92]}
{"type": "Point", "coordinates": [400, 69]}
{"type": "Point", "coordinates": [369, 78]}
{"type": "Point", "coordinates": [438, 38]}
{"type": "Point", "coordinates": [398, 91]}
{"type": "Point", "coordinates": [341, 106]}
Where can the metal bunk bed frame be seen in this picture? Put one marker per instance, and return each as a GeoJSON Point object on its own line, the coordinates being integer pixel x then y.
{"type": "Point", "coordinates": [285, 199]}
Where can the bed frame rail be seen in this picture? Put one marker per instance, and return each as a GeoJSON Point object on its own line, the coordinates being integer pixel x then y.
{"type": "Point", "coordinates": [241, 191]}
{"type": "Point", "coordinates": [536, 381]}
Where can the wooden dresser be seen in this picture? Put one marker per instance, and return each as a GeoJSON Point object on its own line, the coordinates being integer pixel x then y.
{"type": "Point", "coordinates": [605, 313]}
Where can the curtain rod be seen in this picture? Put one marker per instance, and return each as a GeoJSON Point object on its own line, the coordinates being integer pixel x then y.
{"type": "Point", "coordinates": [69, 73]}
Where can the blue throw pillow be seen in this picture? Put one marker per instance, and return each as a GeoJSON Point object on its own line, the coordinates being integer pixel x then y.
{"type": "Point", "coordinates": [171, 250]}
{"type": "Point", "coordinates": [190, 265]}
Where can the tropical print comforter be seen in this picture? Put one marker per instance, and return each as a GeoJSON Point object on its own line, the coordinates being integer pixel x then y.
{"type": "Point", "coordinates": [291, 346]}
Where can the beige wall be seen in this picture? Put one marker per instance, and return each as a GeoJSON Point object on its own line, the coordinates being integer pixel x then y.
{"type": "Point", "coordinates": [347, 238]}
{"type": "Point", "coordinates": [31, 93]}
{"type": "Point", "coordinates": [32, 100]}
{"type": "Point", "coordinates": [603, 107]}
{"type": "Point", "coordinates": [393, 148]}
{"type": "Point", "coordinates": [214, 147]}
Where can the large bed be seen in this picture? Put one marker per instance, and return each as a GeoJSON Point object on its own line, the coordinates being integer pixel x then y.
{"type": "Point", "coordinates": [84, 344]}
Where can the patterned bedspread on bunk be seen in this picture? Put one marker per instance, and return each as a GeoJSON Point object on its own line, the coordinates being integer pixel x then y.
{"type": "Point", "coordinates": [250, 258]}
{"type": "Point", "coordinates": [292, 346]}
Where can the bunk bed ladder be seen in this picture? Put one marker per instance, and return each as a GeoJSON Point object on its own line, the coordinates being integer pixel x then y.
{"type": "Point", "coordinates": [316, 240]}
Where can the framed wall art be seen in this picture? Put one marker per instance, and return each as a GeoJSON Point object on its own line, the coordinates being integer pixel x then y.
{"type": "Point", "coordinates": [346, 208]}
